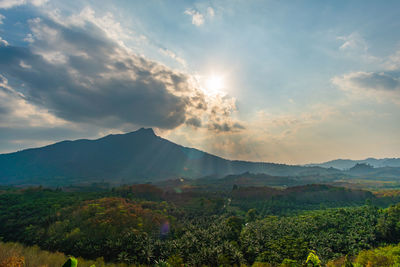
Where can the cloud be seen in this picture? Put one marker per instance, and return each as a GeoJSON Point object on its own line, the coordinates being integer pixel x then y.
{"type": "Point", "coordinates": [354, 41]}
{"type": "Point", "coordinates": [77, 78]}
{"type": "Point", "coordinates": [16, 111]}
{"type": "Point", "coordinates": [172, 55]}
{"type": "Point", "coordinates": [210, 12]}
{"type": "Point", "coordinates": [368, 81]}
{"type": "Point", "coordinates": [356, 47]}
{"type": "Point", "coordinates": [265, 137]}
{"type": "Point", "coordinates": [382, 84]}
{"type": "Point", "coordinates": [375, 81]}
{"type": "Point", "coordinates": [29, 38]}
{"type": "Point", "coordinates": [220, 117]}
{"type": "Point", "coordinates": [79, 73]}
{"type": "Point", "coordinates": [226, 127]}
{"type": "Point", "coordinates": [111, 28]}
{"type": "Point", "coordinates": [392, 62]}
{"type": "Point", "coordinates": [379, 85]}
{"type": "Point", "coordinates": [24, 125]}
{"type": "Point", "coordinates": [3, 42]}
{"type": "Point", "coordinates": [2, 17]}
{"type": "Point", "coordinates": [197, 17]}
{"type": "Point", "coordinates": [13, 3]}
{"type": "Point", "coordinates": [195, 122]}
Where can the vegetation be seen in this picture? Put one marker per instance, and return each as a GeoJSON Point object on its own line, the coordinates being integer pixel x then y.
{"type": "Point", "coordinates": [143, 224]}
{"type": "Point", "coordinates": [14, 254]}
{"type": "Point", "coordinates": [381, 256]}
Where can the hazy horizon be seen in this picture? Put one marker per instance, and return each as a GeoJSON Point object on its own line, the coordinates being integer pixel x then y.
{"type": "Point", "coordinates": [92, 139]}
{"type": "Point", "coordinates": [270, 81]}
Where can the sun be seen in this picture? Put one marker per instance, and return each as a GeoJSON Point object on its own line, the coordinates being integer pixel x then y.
{"type": "Point", "coordinates": [214, 84]}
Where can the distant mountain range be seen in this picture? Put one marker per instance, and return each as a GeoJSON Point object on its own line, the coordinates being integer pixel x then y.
{"type": "Point", "coordinates": [345, 164]}
{"type": "Point", "coordinates": [135, 157]}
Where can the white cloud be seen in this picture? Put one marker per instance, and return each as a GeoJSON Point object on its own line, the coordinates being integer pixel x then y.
{"type": "Point", "coordinates": [3, 42]}
{"type": "Point", "coordinates": [29, 38]}
{"type": "Point", "coordinates": [355, 46]}
{"type": "Point", "coordinates": [210, 12]}
{"type": "Point", "coordinates": [172, 55]}
{"type": "Point", "coordinates": [13, 3]}
{"type": "Point", "coordinates": [38, 2]}
{"type": "Point", "coordinates": [2, 17]}
{"type": "Point", "coordinates": [197, 17]}
{"type": "Point", "coordinates": [24, 65]}
{"type": "Point", "coordinates": [393, 61]}
{"type": "Point", "coordinates": [354, 41]}
{"type": "Point", "coordinates": [200, 17]}
{"type": "Point", "coordinates": [107, 23]}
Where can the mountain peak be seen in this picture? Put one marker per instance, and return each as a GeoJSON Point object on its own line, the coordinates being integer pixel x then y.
{"type": "Point", "coordinates": [147, 131]}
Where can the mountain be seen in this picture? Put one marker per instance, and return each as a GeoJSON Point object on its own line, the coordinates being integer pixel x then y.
{"type": "Point", "coordinates": [135, 157]}
{"type": "Point", "coordinates": [345, 164]}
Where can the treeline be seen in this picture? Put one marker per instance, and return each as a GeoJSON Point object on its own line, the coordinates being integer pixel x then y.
{"type": "Point", "coordinates": [143, 224]}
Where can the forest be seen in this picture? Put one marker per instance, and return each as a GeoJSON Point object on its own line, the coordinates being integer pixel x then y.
{"type": "Point", "coordinates": [260, 226]}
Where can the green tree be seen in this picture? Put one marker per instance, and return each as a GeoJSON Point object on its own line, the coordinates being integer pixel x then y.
{"type": "Point", "coordinates": [313, 259]}
{"type": "Point", "coordinates": [251, 215]}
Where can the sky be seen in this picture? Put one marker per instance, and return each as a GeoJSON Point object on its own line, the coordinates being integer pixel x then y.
{"type": "Point", "coordinates": [278, 81]}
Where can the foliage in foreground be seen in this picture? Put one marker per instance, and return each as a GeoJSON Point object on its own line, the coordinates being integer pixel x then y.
{"type": "Point", "coordinates": [386, 256]}
{"type": "Point", "coordinates": [17, 255]}
{"type": "Point", "coordinates": [143, 225]}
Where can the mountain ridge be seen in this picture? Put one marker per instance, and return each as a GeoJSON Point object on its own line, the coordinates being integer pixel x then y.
{"type": "Point", "coordinates": [345, 164]}
{"type": "Point", "coordinates": [139, 156]}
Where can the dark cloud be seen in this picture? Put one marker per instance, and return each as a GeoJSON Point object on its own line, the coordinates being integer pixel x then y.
{"type": "Point", "coordinates": [220, 116]}
{"type": "Point", "coordinates": [237, 125]}
{"type": "Point", "coordinates": [376, 81]}
{"type": "Point", "coordinates": [226, 127]}
{"type": "Point", "coordinates": [195, 122]}
{"type": "Point", "coordinates": [80, 75]}
{"type": "Point", "coordinates": [75, 81]}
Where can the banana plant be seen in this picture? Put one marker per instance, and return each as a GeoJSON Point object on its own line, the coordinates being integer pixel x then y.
{"type": "Point", "coordinates": [73, 262]}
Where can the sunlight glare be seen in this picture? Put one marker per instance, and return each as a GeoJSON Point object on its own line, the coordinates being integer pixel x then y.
{"type": "Point", "coordinates": [214, 84]}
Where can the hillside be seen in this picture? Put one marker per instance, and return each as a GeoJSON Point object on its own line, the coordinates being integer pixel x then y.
{"type": "Point", "coordinates": [139, 156]}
